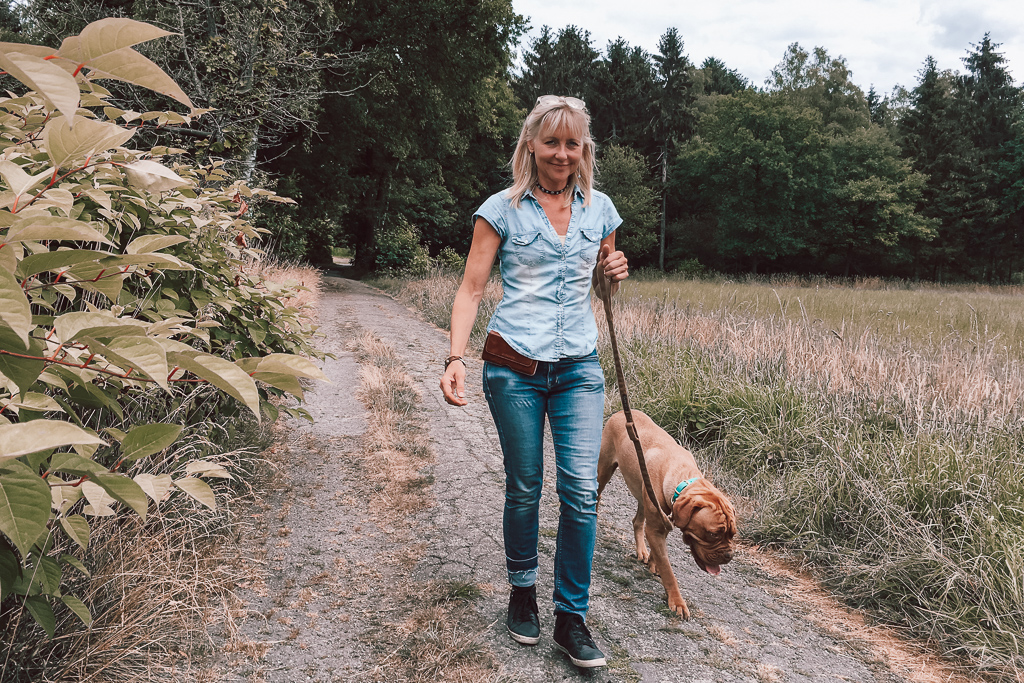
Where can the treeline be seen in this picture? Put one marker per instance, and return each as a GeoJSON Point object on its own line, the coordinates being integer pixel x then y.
{"type": "Point", "coordinates": [808, 173]}
{"type": "Point", "coordinates": [391, 121]}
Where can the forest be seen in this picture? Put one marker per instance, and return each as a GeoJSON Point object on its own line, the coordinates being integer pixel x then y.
{"type": "Point", "coordinates": [390, 122]}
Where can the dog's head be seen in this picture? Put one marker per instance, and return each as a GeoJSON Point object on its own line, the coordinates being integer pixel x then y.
{"type": "Point", "coordinates": [708, 522]}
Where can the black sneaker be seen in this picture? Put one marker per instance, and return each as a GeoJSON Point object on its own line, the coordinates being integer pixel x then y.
{"type": "Point", "coordinates": [573, 638]}
{"type": "Point", "coordinates": [523, 621]}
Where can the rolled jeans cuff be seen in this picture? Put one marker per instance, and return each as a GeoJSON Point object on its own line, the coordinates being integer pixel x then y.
{"type": "Point", "coordinates": [522, 573]}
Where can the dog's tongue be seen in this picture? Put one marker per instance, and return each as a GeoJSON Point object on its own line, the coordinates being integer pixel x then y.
{"type": "Point", "coordinates": [713, 569]}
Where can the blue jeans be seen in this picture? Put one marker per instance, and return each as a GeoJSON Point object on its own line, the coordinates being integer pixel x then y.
{"type": "Point", "coordinates": [571, 393]}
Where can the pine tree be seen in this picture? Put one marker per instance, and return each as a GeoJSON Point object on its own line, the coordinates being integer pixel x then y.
{"type": "Point", "coordinates": [989, 107]}
{"type": "Point", "coordinates": [719, 79]}
{"type": "Point", "coordinates": [622, 108]}
{"type": "Point", "coordinates": [676, 112]}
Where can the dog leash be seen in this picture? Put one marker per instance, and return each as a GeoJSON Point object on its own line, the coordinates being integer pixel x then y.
{"type": "Point", "coordinates": [620, 379]}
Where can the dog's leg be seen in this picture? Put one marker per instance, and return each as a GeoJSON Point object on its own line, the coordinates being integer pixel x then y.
{"type": "Point", "coordinates": [659, 561]}
{"type": "Point", "coordinates": [642, 553]}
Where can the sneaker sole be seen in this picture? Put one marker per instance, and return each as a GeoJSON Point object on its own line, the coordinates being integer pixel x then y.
{"type": "Point", "coordinates": [520, 638]}
{"type": "Point", "coordinates": [583, 663]}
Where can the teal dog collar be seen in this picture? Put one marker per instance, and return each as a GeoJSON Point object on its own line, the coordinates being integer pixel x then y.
{"type": "Point", "coordinates": [679, 489]}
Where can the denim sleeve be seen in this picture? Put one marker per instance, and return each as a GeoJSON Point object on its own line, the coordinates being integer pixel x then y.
{"type": "Point", "coordinates": [612, 220]}
{"type": "Point", "coordinates": [494, 211]}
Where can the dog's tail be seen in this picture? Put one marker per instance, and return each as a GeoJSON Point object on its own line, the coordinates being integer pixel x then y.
{"type": "Point", "coordinates": [603, 477]}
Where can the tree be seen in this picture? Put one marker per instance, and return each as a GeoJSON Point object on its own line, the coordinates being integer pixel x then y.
{"type": "Point", "coordinates": [721, 80]}
{"type": "Point", "coordinates": [423, 134]}
{"type": "Point", "coordinates": [990, 106]}
{"type": "Point", "coordinates": [820, 82]}
{"type": "Point", "coordinates": [870, 208]}
{"type": "Point", "coordinates": [622, 109]}
{"type": "Point", "coordinates": [259, 65]}
{"type": "Point", "coordinates": [676, 112]}
{"type": "Point", "coordinates": [761, 160]}
{"type": "Point", "coordinates": [623, 177]}
{"type": "Point", "coordinates": [565, 66]}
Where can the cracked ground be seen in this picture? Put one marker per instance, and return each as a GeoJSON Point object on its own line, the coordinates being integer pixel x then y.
{"type": "Point", "coordinates": [329, 567]}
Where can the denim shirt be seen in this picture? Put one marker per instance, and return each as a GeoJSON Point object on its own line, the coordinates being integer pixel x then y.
{"type": "Point", "coordinates": [545, 311]}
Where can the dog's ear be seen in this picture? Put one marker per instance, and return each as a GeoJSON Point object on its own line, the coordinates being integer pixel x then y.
{"type": "Point", "coordinates": [685, 508]}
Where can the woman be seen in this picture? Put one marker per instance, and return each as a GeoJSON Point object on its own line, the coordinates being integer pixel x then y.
{"type": "Point", "coordinates": [550, 229]}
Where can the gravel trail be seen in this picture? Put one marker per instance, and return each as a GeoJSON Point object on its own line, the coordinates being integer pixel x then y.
{"type": "Point", "coordinates": [318, 558]}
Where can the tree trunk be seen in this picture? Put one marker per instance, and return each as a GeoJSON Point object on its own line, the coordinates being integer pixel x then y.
{"type": "Point", "coordinates": [664, 204]}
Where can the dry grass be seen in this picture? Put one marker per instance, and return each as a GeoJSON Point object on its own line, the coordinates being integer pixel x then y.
{"type": "Point", "coordinates": [295, 275]}
{"type": "Point", "coordinates": [876, 431]}
{"type": "Point", "coordinates": [151, 586]}
{"type": "Point", "coordinates": [428, 631]}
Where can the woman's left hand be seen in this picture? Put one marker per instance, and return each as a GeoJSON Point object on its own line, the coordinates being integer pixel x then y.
{"type": "Point", "coordinates": [613, 264]}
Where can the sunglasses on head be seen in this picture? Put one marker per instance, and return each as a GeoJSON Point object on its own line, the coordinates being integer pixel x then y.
{"type": "Point", "coordinates": [573, 102]}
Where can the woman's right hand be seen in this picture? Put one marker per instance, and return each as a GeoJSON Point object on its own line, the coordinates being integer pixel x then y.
{"type": "Point", "coordinates": [453, 383]}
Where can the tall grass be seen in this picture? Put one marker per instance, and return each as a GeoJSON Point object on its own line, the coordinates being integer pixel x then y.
{"type": "Point", "coordinates": [888, 456]}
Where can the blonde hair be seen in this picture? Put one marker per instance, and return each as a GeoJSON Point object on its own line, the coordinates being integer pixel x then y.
{"type": "Point", "coordinates": [545, 119]}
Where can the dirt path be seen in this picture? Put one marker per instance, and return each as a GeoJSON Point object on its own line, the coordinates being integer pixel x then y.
{"type": "Point", "coordinates": [326, 572]}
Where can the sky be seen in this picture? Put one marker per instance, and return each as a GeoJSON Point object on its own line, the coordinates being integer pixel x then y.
{"type": "Point", "coordinates": [885, 42]}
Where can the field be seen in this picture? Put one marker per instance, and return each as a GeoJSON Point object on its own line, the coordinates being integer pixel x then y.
{"type": "Point", "coordinates": [876, 430]}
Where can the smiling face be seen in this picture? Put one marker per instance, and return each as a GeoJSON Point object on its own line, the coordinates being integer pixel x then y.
{"type": "Point", "coordinates": [708, 522]}
{"type": "Point", "coordinates": [557, 154]}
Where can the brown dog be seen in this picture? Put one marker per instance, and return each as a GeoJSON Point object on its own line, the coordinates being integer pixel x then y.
{"type": "Point", "coordinates": [701, 511]}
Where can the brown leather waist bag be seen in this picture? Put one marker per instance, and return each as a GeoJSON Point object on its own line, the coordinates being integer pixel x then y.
{"type": "Point", "coordinates": [497, 351]}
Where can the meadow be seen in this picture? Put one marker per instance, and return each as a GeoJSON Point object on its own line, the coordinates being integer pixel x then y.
{"type": "Point", "coordinates": [874, 430]}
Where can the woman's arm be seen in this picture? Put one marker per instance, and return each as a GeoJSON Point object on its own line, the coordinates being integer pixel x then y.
{"type": "Point", "coordinates": [478, 271]}
{"type": "Point", "coordinates": [612, 263]}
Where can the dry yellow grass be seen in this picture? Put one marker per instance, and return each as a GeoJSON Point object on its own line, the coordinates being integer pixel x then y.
{"type": "Point", "coordinates": [947, 382]}
{"type": "Point", "coordinates": [292, 274]}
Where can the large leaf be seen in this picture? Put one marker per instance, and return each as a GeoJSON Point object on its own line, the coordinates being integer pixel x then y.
{"type": "Point", "coordinates": [289, 364]}
{"type": "Point", "coordinates": [151, 243]}
{"type": "Point", "coordinates": [107, 35]}
{"type": "Point", "coordinates": [10, 568]}
{"type": "Point", "coordinates": [40, 228]}
{"type": "Point", "coordinates": [14, 307]}
{"type": "Point", "coordinates": [78, 607]}
{"type": "Point", "coordinates": [77, 528]}
{"type": "Point", "coordinates": [57, 260]}
{"type": "Point", "coordinates": [41, 611]}
{"type": "Point", "coordinates": [224, 375]}
{"type": "Point", "coordinates": [73, 463]}
{"type": "Point", "coordinates": [73, 561]}
{"type": "Point", "coordinates": [65, 143]}
{"type": "Point", "coordinates": [289, 383]}
{"type": "Point", "coordinates": [96, 324]}
{"type": "Point", "coordinates": [99, 500]}
{"type": "Point", "coordinates": [24, 505]}
{"type": "Point", "coordinates": [39, 435]}
{"type": "Point", "coordinates": [51, 81]}
{"type": "Point", "coordinates": [148, 439]}
{"type": "Point", "coordinates": [153, 176]}
{"type": "Point", "coordinates": [22, 371]}
{"type": "Point", "coordinates": [123, 489]}
{"type": "Point", "coordinates": [156, 486]}
{"type": "Point", "coordinates": [139, 353]}
{"type": "Point", "coordinates": [199, 490]}
{"type": "Point", "coordinates": [128, 65]}
{"type": "Point", "coordinates": [18, 181]}
{"type": "Point", "coordinates": [40, 51]}
{"type": "Point", "coordinates": [49, 575]}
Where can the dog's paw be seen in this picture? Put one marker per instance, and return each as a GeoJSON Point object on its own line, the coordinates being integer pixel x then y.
{"type": "Point", "coordinates": [643, 554]}
{"type": "Point", "coordinates": [679, 607]}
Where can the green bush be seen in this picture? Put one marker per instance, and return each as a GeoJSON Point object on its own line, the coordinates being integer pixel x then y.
{"type": "Point", "coordinates": [125, 310]}
{"type": "Point", "coordinates": [399, 250]}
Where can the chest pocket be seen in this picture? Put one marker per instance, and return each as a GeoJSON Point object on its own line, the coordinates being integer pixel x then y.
{"type": "Point", "coordinates": [527, 248]}
{"type": "Point", "coordinates": [590, 245]}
